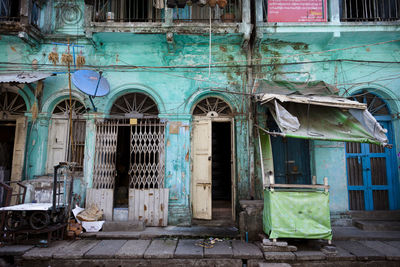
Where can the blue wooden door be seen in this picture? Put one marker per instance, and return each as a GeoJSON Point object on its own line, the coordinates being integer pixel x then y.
{"type": "Point", "coordinates": [372, 169]}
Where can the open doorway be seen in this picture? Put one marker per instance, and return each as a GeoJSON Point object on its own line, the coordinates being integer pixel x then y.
{"type": "Point", "coordinates": [121, 190]}
{"type": "Point", "coordinates": [212, 150]}
{"type": "Point", "coordinates": [221, 171]}
{"type": "Point", "coordinates": [7, 136]}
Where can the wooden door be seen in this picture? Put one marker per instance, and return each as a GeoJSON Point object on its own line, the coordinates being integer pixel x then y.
{"type": "Point", "coordinates": [19, 149]}
{"type": "Point", "coordinates": [57, 143]}
{"type": "Point", "coordinates": [201, 166]}
{"type": "Point", "coordinates": [370, 175]}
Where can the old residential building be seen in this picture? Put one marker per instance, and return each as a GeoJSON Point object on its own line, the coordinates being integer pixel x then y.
{"type": "Point", "coordinates": [179, 126]}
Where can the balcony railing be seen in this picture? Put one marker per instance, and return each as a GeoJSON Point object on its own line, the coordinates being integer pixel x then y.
{"type": "Point", "coordinates": [369, 10]}
{"type": "Point", "coordinates": [232, 12]}
{"type": "Point", "coordinates": [126, 11]}
{"type": "Point", "coordinates": [9, 10]}
{"type": "Point", "coordinates": [154, 11]}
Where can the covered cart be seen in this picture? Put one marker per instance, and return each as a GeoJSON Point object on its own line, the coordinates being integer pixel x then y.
{"type": "Point", "coordinates": [305, 111]}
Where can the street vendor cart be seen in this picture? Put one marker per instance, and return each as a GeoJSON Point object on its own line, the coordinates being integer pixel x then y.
{"type": "Point", "coordinates": [38, 218]}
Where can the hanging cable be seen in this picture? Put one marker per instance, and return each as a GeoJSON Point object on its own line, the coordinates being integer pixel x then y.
{"type": "Point", "coordinates": [209, 49]}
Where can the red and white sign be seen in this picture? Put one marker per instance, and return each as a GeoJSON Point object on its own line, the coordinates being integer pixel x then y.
{"type": "Point", "coordinates": [297, 11]}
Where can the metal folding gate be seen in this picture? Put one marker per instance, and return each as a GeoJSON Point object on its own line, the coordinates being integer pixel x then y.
{"type": "Point", "coordinates": [148, 199]}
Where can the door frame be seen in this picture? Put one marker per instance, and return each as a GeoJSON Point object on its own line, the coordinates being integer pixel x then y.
{"type": "Point", "coordinates": [233, 161]}
{"type": "Point", "coordinates": [391, 167]}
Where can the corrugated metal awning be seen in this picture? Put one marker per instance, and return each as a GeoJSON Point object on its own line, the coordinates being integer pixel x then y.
{"type": "Point", "coordinates": [23, 77]}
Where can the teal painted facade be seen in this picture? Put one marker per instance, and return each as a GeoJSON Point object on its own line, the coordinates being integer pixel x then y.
{"type": "Point", "coordinates": [176, 90]}
{"type": "Point", "coordinates": [338, 53]}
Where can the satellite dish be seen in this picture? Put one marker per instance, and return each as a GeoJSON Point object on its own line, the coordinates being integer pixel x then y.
{"type": "Point", "coordinates": [91, 83]}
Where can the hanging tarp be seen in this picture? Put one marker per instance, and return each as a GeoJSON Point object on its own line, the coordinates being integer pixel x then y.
{"type": "Point", "coordinates": [297, 214]}
{"type": "Point", "coordinates": [319, 88]}
{"type": "Point", "coordinates": [314, 111]}
{"type": "Point", "coordinates": [328, 123]}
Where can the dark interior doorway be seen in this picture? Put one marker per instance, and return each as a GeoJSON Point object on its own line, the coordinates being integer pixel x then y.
{"type": "Point", "coordinates": [221, 170]}
{"type": "Point", "coordinates": [7, 136]}
{"type": "Point", "coordinates": [121, 191]}
{"type": "Point", "coordinates": [291, 157]}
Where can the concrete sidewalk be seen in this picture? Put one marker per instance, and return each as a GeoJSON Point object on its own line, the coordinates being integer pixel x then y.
{"type": "Point", "coordinates": [353, 249]}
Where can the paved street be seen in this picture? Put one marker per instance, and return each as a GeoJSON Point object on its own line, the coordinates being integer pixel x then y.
{"type": "Point", "coordinates": [191, 252]}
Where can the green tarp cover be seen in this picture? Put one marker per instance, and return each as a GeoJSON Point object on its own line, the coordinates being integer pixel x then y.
{"type": "Point", "coordinates": [322, 123]}
{"type": "Point", "coordinates": [297, 214]}
{"type": "Point", "coordinates": [301, 88]}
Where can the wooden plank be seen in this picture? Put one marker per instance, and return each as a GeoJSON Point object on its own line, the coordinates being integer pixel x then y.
{"type": "Point", "coordinates": [157, 212]}
{"type": "Point", "coordinates": [146, 206]}
{"type": "Point", "coordinates": [149, 205]}
{"type": "Point", "coordinates": [300, 186]}
{"type": "Point", "coordinates": [103, 199]}
{"type": "Point", "coordinates": [164, 207]}
{"type": "Point", "coordinates": [19, 149]}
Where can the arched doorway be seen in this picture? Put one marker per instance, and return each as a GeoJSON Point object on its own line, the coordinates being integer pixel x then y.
{"type": "Point", "coordinates": [372, 169]}
{"type": "Point", "coordinates": [63, 145]}
{"type": "Point", "coordinates": [129, 164]}
{"type": "Point", "coordinates": [12, 136]}
{"type": "Point", "coordinates": [213, 190]}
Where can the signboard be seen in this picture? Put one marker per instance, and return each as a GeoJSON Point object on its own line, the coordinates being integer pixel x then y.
{"type": "Point", "coordinates": [297, 11]}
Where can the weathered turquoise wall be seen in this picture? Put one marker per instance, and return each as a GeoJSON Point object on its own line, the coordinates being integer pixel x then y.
{"type": "Point", "coordinates": [175, 90]}
{"type": "Point", "coordinates": [294, 46]}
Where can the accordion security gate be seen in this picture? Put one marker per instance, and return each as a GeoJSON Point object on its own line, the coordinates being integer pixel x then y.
{"type": "Point", "coordinates": [148, 199]}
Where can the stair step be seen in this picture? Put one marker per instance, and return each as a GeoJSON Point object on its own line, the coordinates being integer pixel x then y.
{"type": "Point", "coordinates": [377, 225]}
{"type": "Point", "coordinates": [115, 226]}
{"type": "Point", "coordinates": [376, 215]}
{"type": "Point", "coordinates": [214, 223]}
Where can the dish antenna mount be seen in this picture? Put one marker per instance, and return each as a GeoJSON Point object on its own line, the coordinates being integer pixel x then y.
{"type": "Point", "coordinates": [91, 83]}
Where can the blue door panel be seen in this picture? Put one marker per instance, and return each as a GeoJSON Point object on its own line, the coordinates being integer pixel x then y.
{"type": "Point", "coordinates": [380, 195]}
{"type": "Point", "coordinates": [291, 160]}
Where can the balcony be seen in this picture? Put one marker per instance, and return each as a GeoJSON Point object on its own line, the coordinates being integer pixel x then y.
{"type": "Point", "coordinates": [369, 10]}
{"type": "Point", "coordinates": [21, 18]}
{"type": "Point", "coordinates": [158, 16]}
{"type": "Point", "coordinates": [326, 20]}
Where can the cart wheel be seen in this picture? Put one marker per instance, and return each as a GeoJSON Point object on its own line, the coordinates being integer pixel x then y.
{"type": "Point", "coordinates": [39, 220]}
{"type": "Point", "coordinates": [14, 220]}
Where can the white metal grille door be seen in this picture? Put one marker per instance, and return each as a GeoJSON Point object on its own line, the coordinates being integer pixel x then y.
{"type": "Point", "coordinates": [148, 199]}
{"type": "Point", "coordinates": [102, 191]}
{"type": "Point", "coordinates": [147, 155]}
{"type": "Point", "coordinates": [105, 155]}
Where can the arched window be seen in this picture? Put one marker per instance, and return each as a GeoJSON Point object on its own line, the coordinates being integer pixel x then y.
{"type": "Point", "coordinates": [134, 105]}
{"type": "Point", "coordinates": [212, 107]}
{"type": "Point", "coordinates": [11, 104]}
{"type": "Point", "coordinates": [64, 145]}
